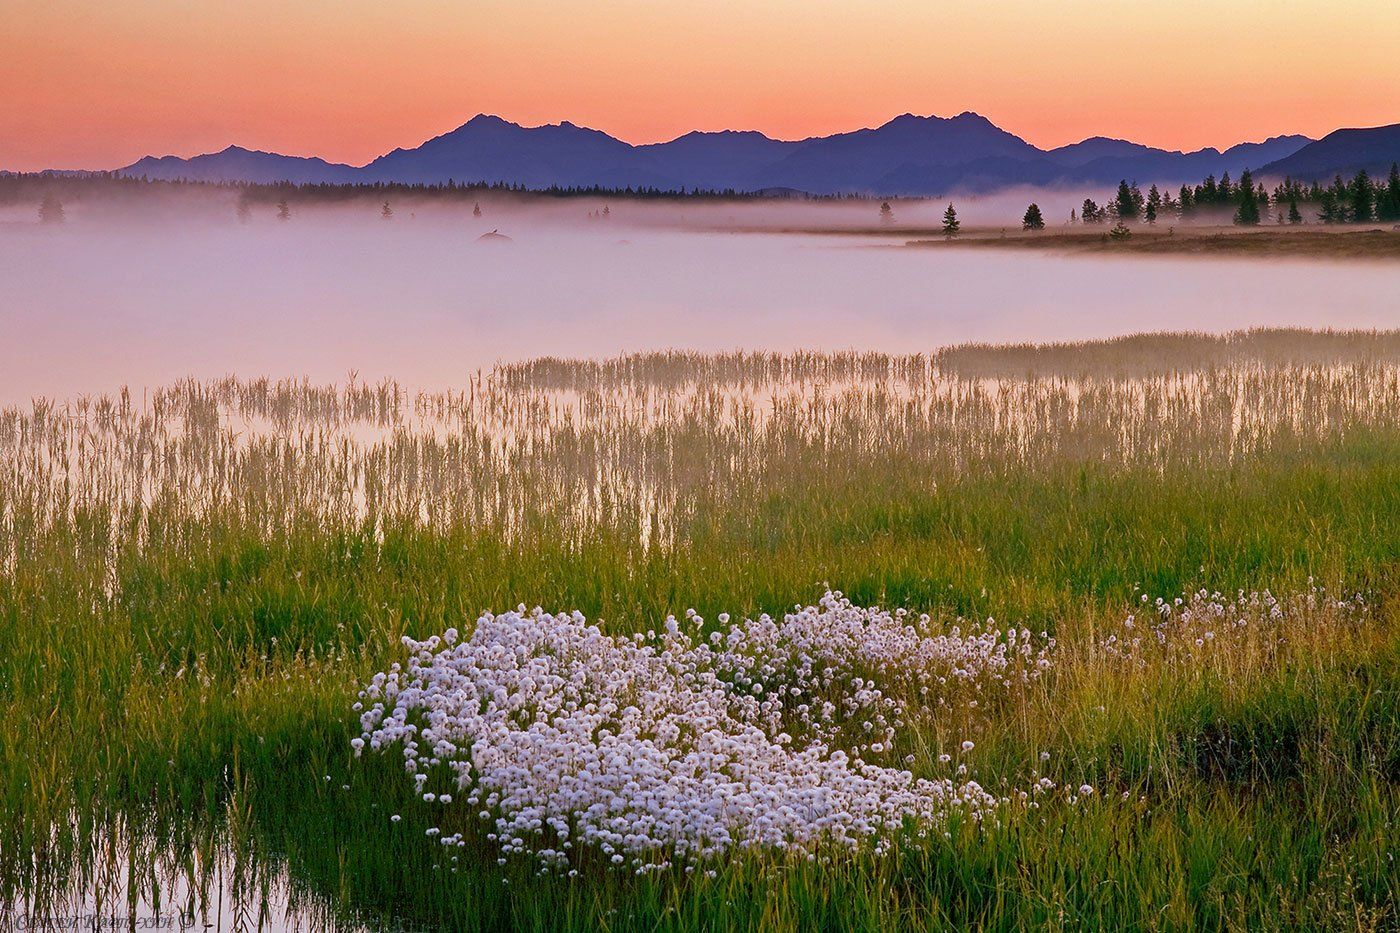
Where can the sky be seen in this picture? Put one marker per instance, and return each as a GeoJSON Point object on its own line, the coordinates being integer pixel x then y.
{"type": "Point", "coordinates": [100, 84]}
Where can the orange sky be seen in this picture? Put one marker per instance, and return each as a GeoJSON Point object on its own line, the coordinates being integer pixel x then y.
{"type": "Point", "coordinates": [97, 85]}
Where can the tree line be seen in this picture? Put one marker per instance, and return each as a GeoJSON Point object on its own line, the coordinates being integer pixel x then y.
{"type": "Point", "coordinates": [1360, 200]}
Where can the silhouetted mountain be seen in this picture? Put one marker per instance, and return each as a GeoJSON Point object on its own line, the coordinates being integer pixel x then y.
{"type": "Point", "coordinates": [1256, 155]}
{"type": "Point", "coordinates": [238, 164]}
{"type": "Point", "coordinates": [1343, 152]}
{"type": "Point", "coordinates": [490, 149]}
{"type": "Point", "coordinates": [925, 154]}
{"type": "Point", "coordinates": [716, 161]}
{"type": "Point", "coordinates": [1099, 159]}
{"type": "Point", "coordinates": [1100, 147]}
{"type": "Point", "coordinates": [909, 155]}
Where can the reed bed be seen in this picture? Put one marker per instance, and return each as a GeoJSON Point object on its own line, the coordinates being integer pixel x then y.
{"type": "Point", "coordinates": [197, 582]}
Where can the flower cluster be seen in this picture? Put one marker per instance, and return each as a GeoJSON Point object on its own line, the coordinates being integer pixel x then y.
{"type": "Point", "coordinates": [1205, 625]}
{"type": "Point", "coordinates": [675, 747]}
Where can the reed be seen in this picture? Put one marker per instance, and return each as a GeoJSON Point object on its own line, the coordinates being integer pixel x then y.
{"type": "Point", "coordinates": [196, 581]}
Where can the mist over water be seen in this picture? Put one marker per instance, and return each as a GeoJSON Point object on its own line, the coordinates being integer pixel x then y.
{"type": "Point", "coordinates": [87, 308]}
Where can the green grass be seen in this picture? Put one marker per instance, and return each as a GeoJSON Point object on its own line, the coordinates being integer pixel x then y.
{"type": "Point", "coordinates": [177, 666]}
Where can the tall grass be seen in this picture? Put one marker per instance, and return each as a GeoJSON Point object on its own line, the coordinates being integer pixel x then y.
{"type": "Point", "coordinates": [194, 582]}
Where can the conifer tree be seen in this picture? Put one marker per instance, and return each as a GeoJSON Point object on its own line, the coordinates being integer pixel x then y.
{"type": "Point", "coordinates": [386, 211]}
{"type": "Point", "coordinates": [1294, 217]}
{"type": "Point", "coordinates": [476, 209]}
{"type": "Point", "coordinates": [1247, 213]}
{"type": "Point", "coordinates": [1032, 220]}
{"type": "Point", "coordinates": [1125, 205]}
{"type": "Point", "coordinates": [1186, 198]}
{"type": "Point", "coordinates": [284, 210]}
{"type": "Point", "coordinates": [1154, 204]}
{"type": "Point", "coordinates": [951, 224]}
{"type": "Point", "coordinates": [1207, 192]}
{"type": "Point", "coordinates": [1363, 198]}
{"type": "Point", "coordinates": [1226, 192]}
{"type": "Point", "coordinates": [1090, 212]}
{"type": "Point", "coordinates": [1388, 197]}
{"type": "Point", "coordinates": [244, 210]}
{"type": "Point", "coordinates": [886, 213]}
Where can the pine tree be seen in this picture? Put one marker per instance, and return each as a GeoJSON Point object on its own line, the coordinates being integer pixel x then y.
{"type": "Point", "coordinates": [386, 211]}
{"type": "Point", "coordinates": [476, 209]}
{"type": "Point", "coordinates": [1154, 204]}
{"type": "Point", "coordinates": [284, 210]}
{"type": "Point", "coordinates": [1090, 213]}
{"type": "Point", "coordinates": [1207, 192]}
{"type": "Point", "coordinates": [1247, 214]}
{"type": "Point", "coordinates": [1341, 200]}
{"type": "Point", "coordinates": [1033, 220]}
{"type": "Point", "coordinates": [607, 211]}
{"type": "Point", "coordinates": [886, 213]}
{"type": "Point", "coordinates": [951, 225]}
{"type": "Point", "coordinates": [1186, 198]}
{"type": "Point", "coordinates": [1226, 192]}
{"type": "Point", "coordinates": [1328, 210]}
{"type": "Point", "coordinates": [50, 210]}
{"type": "Point", "coordinates": [1124, 204]}
{"type": "Point", "coordinates": [1294, 217]}
{"type": "Point", "coordinates": [1388, 196]}
{"type": "Point", "coordinates": [1073, 217]}
{"type": "Point", "coordinates": [1363, 198]}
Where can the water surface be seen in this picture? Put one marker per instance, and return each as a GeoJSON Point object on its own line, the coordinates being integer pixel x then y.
{"type": "Point", "coordinates": [87, 309]}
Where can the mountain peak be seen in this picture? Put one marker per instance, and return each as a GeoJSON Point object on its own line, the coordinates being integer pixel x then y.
{"type": "Point", "coordinates": [908, 155]}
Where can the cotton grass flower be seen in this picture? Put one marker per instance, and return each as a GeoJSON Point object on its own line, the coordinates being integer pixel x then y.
{"type": "Point", "coordinates": [672, 749]}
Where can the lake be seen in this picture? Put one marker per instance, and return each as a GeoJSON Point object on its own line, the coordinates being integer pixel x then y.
{"type": "Point", "coordinates": [87, 309]}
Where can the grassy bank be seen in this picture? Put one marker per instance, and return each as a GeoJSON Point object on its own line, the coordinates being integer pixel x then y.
{"type": "Point", "coordinates": [1379, 243]}
{"type": "Point", "coordinates": [193, 588]}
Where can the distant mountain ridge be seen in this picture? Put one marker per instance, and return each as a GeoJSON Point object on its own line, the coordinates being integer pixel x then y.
{"type": "Point", "coordinates": [909, 155]}
{"type": "Point", "coordinates": [1342, 152]}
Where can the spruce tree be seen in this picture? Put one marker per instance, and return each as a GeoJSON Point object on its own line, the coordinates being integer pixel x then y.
{"type": "Point", "coordinates": [1363, 198]}
{"type": "Point", "coordinates": [1206, 193]}
{"type": "Point", "coordinates": [284, 210]}
{"type": "Point", "coordinates": [1388, 196]}
{"type": "Point", "coordinates": [476, 209]}
{"type": "Point", "coordinates": [951, 225]}
{"type": "Point", "coordinates": [1032, 220]}
{"type": "Point", "coordinates": [1341, 200]}
{"type": "Point", "coordinates": [1090, 212]}
{"type": "Point", "coordinates": [1327, 209]}
{"type": "Point", "coordinates": [1294, 217]}
{"type": "Point", "coordinates": [1154, 205]}
{"type": "Point", "coordinates": [1247, 214]}
{"type": "Point", "coordinates": [386, 211]}
{"type": "Point", "coordinates": [886, 213]}
{"type": "Point", "coordinates": [1125, 205]}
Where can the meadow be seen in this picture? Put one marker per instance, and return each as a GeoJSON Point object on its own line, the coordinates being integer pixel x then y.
{"type": "Point", "coordinates": [1138, 668]}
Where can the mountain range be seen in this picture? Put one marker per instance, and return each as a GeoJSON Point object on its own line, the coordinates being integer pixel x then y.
{"type": "Point", "coordinates": [910, 155]}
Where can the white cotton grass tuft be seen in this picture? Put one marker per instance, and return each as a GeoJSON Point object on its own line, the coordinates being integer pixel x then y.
{"type": "Point", "coordinates": [1203, 627]}
{"type": "Point", "coordinates": [779, 735]}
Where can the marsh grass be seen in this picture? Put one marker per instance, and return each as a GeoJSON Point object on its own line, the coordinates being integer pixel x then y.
{"type": "Point", "coordinates": [194, 583]}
